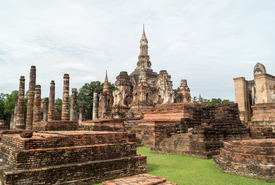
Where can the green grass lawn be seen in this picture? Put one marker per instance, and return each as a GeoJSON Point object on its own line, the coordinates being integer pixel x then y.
{"type": "Point", "coordinates": [188, 170]}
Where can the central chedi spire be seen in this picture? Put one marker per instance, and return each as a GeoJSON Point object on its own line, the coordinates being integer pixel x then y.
{"type": "Point", "coordinates": [106, 84]}
{"type": "Point", "coordinates": [143, 58]}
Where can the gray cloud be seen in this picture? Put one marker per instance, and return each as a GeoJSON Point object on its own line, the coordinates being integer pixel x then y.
{"type": "Point", "coordinates": [206, 42]}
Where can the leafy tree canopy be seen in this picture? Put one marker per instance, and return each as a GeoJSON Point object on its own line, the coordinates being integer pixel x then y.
{"type": "Point", "coordinates": [85, 96]}
{"type": "Point", "coordinates": [213, 101]}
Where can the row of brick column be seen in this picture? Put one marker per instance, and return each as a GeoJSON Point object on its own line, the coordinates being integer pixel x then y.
{"type": "Point", "coordinates": [34, 112]}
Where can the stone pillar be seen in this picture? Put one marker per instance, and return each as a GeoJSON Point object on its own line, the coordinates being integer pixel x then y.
{"type": "Point", "coordinates": [32, 84]}
{"type": "Point", "coordinates": [103, 107]}
{"type": "Point", "coordinates": [20, 107]}
{"type": "Point", "coordinates": [81, 114]}
{"type": "Point", "coordinates": [37, 105]}
{"type": "Point", "coordinates": [15, 114]}
{"type": "Point", "coordinates": [45, 109]}
{"type": "Point", "coordinates": [51, 101]}
{"type": "Point", "coordinates": [65, 116]}
{"type": "Point", "coordinates": [73, 105]}
{"type": "Point", "coordinates": [12, 120]}
{"type": "Point", "coordinates": [95, 105]}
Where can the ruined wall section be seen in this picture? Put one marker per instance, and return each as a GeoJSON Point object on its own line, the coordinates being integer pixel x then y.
{"type": "Point", "coordinates": [208, 128]}
{"type": "Point", "coordinates": [265, 88]}
{"type": "Point", "coordinates": [164, 92]}
{"type": "Point", "coordinates": [183, 92]}
{"type": "Point", "coordinates": [123, 95]}
{"type": "Point", "coordinates": [243, 98]}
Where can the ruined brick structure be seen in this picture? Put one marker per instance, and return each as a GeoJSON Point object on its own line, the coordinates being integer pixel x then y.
{"type": "Point", "coordinates": [81, 114]}
{"type": "Point", "coordinates": [51, 101]}
{"type": "Point", "coordinates": [256, 98]}
{"type": "Point", "coordinates": [73, 116]}
{"type": "Point", "coordinates": [37, 105]}
{"type": "Point", "coordinates": [142, 89]}
{"type": "Point", "coordinates": [251, 158]}
{"type": "Point", "coordinates": [45, 109]}
{"type": "Point", "coordinates": [32, 83]}
{"type": "Point", "coordinates": [105, 101]}
{"type": "Point", "coordinates": [183, 93]}
{"type": "Point", "coordinates": [13, 124]}
{"type": "Point", "coordinates": [209, 127]}
{"type": "Point", "coordinates": [123, 95]}
{"type": "Point", "coordinates": [254, 92]}
{"type": "Point", "coordinates": [104, 125]}
{"type": "Point", "coordinates": [95, 105]}
{"type": "Point", "coordinates": [20, 125]}
{"type": "Point", "coordinates": [63, 157]}
{"type": "Point", "coordinates": [65, 116]}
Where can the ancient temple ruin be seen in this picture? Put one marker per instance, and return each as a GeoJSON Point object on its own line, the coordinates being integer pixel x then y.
{"type": "Point", "coordinates": [143, 88]}
{"type": "Point", "coordinates": [256, 98]}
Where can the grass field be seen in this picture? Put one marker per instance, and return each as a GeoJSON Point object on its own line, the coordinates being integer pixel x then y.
{"type": "Point", "coordinates": [191, 171]}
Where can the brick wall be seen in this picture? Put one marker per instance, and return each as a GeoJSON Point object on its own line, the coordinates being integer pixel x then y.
{"type": "Point", "coordinates": [104, 125]}
{"type": "Point", "coordinates": [210, 127]}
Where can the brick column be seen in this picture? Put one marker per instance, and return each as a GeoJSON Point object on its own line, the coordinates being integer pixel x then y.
{"type": "Point", "coordinates": [65, 116]}
{"type": "Point", "coordinates": [37, 105]}
{"type": "Point", "coordinates": [73, 105]}
{"type": "Point", "coordinates": [95, 105]}
{"type": "Point", "coordinates": [51, 101]}
{"type": "Point", "coordinates": [20, 107]}
{"type": "Point", "coordinates": [32, 84]}
{"type": "Point", "coordinates": [45, 109]}
{"type": "Point", "coordinates": [103, 107]}
{"type": "Point", "coordinates": [13, 127]}
{"type": "Point", "coordinates": [81, 114]}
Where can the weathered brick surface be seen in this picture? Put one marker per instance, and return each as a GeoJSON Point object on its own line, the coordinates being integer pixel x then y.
{"type": "Point", "coordinates": [56, 125]}
{"type": "Point", "coordinates": [104, 125]}
{"type": "Point", "coordinates": [141, 179]}
{"type": "Point", "coordinates": [263, 115]}
{"type": "Point", "coordinates": [162, 121]}
{"type": "Point", "coordinates": [211, 126]}
{"type": "Point", "coordinates": [68, 157]}
{"type": "Point", "coordinates": [261, 132]}
{"type": "Point", "coordinates": [251, 158]}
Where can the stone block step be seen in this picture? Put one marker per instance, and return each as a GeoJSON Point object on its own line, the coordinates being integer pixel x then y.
{"type": "Point", "coordinates": [92, 172]}
{"type": "Point", "coordinates": [248, 158]}
{"type": "Point", "coordinates": [36, 158]}
{"type": "Point", "coordinates": [55, 139]}
{"type": "Point", "coordinates": [141, 179]}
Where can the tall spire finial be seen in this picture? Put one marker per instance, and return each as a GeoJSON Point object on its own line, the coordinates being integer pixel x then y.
{"type": "Point", "coordinates": [143, 29]}
{"type": "Point", "coordinates": [143, 37]}
{"type": "Point", "coordinates": [106, 83]}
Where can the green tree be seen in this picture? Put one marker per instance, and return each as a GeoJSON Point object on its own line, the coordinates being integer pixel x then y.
{"type": "Point", "coordinates": [58, 102]}
{"type": "Point", "coordinates": [85, 96]}
{"type": "Point", "coordinates": [213, 101]}
{"type": "Point", "coordinates": [195, 99]}
{"type": "Point", "coordinates": [9, 103]}
{"type": "Point", "coordinates": [2, 105]}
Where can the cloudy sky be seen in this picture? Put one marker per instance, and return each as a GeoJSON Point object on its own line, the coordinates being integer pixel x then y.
{"type": "Point", "coordinates": [207, 42]}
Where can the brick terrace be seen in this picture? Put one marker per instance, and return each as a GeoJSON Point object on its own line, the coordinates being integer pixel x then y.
{"type": "Point", "coordinates": [251, 158]}
{"type": "Point", "coordinates": [51, 157]}
{"type": "Point", "coordinates": [212, 125]}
